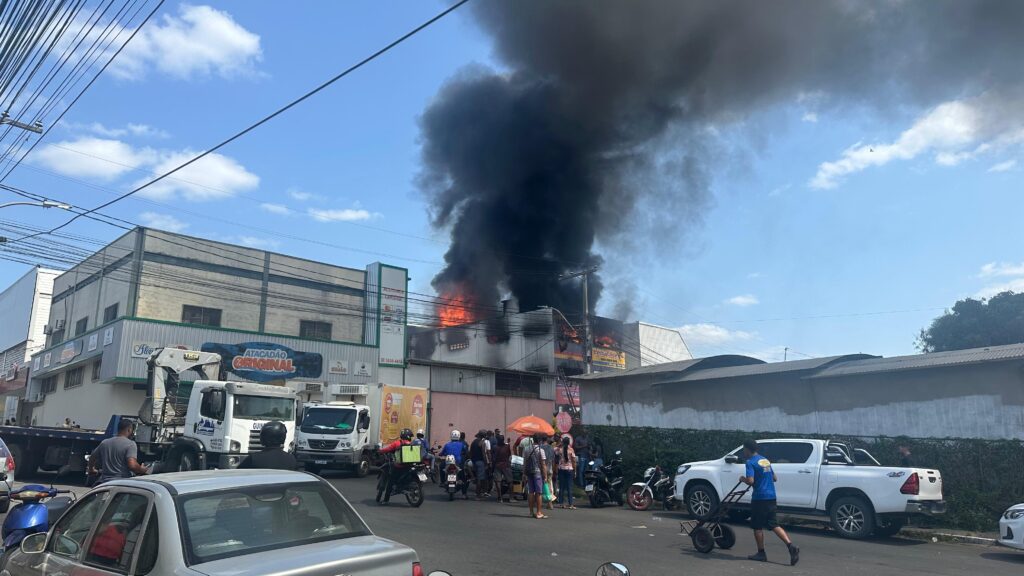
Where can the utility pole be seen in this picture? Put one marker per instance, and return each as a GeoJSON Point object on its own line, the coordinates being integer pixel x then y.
{"type": "Point", "coordinates": [588, 347]}
{"type": "Point", "coordinates": [36, 127]}
{"type": "Point", "coordinates": [785, 354]}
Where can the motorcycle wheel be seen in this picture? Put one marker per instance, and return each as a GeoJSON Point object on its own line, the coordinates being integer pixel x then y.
{"type": "Point", "coordinates": [725, 537]}
{"type": "Point", "coordinates": [415, 494]}
{"type": "Point", "coordinates": [381, 481]}
{"type": "Point", "coordinates": [595, 502]}
{"type": "Point", "coordinates": [451, 495]}
{"type": "Point", "coordinates": [638, 498]}
{"type": "Point", "coordinates": [702, 539]}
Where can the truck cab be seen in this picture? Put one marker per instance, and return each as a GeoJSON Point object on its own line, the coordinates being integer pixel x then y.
{"type": "Point", "coordinates": [334, 435]}
{"type": "Point", "coordinates": [223, 423]}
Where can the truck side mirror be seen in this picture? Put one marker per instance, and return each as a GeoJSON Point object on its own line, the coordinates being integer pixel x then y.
{"type": "Point", "coordinates": [364, 422]}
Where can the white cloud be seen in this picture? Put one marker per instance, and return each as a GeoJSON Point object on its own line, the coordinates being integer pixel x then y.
{"type": "Point", "coordinates": [93, 158]}
{"type": "Point", "coordinates": [1004, 166]}
{"type": "Point", "coordinates": [778, 190]}
{"type": "Point", "coordinates": [299, 195]}
{"type": "Point", "coordinates": [275, 208]}
{"type": "Point", "coordinates": [993, 269]}
{"type": "Point", "coordinates": [162, 221]}
{"type": "Point", "coordinates": [341, 215]}
{"type": "Point", "coordinates": [711, 334]}
{"type": "Point", "coordinates": [130, 129]}
{"type": "Point", "coordinates": [811, 117]}
{"type": "Point", "coordinates": [742, 300]}
{"type": "Point", "coordinates": [754, 275]}
{"type": "Point", "coordinates": [212, 177]}
{"type": "Point", "coordinates": [1013, 285]}
{"type": "Point", "coordinates": [954, 131]}
{"type": "Point", "coordinates": [198, 41]}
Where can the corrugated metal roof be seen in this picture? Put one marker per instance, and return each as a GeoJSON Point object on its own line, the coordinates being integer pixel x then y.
{"type": "Point", "coordinates": [770, 368]}
{"type": "Point", "coordinates": [670, 367]}
{"type": "Point", "coordinates": [919, 361]}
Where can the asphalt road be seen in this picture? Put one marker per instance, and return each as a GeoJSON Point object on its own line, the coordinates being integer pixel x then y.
{"type": "Point", "coordinates": [471, 538]}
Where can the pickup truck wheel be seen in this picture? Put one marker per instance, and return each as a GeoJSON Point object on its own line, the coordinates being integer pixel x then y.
{"type": "Point", "coordinates": [701, 501]}
{"type": "Point", "coordinates": [889, 527]}
{"type": "Point", "coordinates": [363, 467]}
{"type": "Point", "coordinates": [852, 517]}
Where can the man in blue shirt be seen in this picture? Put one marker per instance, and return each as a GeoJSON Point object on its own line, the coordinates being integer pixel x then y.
{"type": "Point", "coordinates": [761, 477]}
{"type": "Point", "coordinates": [454, 448]}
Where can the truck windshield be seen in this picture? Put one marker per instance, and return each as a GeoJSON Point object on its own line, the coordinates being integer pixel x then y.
{"type": "Point", "coordinates": [262, 408]}
{"type": "Point", "coordinates": [328, 421]}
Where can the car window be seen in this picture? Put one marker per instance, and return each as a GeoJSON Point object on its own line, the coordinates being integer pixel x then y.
{"type": "Point", "coordinates": [149, 548]}
{"type": "Point", "coordinates": [117, 534]}
{"type": "Point", "coordinates": [230, 523]}
{"type": "Point", "coordinates": [70, 532]}
{"type": "Point", "coordinates": [786, 452]}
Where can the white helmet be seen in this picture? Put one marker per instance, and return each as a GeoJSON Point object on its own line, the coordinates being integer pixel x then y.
{"type": "Point", "coordinates": [456, 435]}
{"type": "Point", "coordinates": [420, 432]}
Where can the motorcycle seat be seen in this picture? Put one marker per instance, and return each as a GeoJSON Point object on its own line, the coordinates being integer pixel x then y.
{"type": "Point", "coordinates": [56, 507]}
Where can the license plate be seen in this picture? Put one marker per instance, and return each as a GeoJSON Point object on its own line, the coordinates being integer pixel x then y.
{"type": "Point", "coordinates": [422, 477]}
{"type": "Point", "coordinates": [590, 488]}
{"type": "Point", "coordinates": [452, 477]}
{"type": "Point", "coordinates": [320, 462]}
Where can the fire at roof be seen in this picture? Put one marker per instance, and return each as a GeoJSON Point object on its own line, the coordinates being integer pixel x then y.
{"type": "Point", "coordinates": [455, 308]}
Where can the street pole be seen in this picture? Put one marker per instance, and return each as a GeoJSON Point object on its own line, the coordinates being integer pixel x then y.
{"type": "Point", "coordinates": [588, 348]}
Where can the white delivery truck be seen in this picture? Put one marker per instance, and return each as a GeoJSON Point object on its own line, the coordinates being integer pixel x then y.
{"type": "Point", "coordinates": [336, 435]}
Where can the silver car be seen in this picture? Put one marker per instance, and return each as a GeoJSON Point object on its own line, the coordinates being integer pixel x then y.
{"type": "Point", "coordinates": [238, 522]}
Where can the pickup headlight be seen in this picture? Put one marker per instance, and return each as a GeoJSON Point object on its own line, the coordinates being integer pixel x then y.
{"type": "Point", "coordinates": [682, 469]}
{"type": "Point", "coordinates": [235, 446]}
{"type": "Point", "coordinates": [1014, 514]}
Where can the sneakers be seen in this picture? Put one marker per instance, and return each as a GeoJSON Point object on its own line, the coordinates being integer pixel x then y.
{"type": "Point", "coordinates": [794, 554]}
{"type": "Point", "coordinates": [759, 557]}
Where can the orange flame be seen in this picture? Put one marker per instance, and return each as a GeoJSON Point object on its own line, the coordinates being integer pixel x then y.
{"type": "Point", "coordinates": [455, 308]}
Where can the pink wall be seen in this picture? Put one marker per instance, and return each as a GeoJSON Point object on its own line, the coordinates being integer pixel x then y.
{"type": "Point", "coordinates": [469, 413]}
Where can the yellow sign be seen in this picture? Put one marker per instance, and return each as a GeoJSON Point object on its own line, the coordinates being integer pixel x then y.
{"type": "Point", "coordinates": [609, 358]}
{"type": "Point", "coordinates": [401, 407]}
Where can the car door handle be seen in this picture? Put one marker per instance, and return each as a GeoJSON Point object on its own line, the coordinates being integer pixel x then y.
{"type": "Point", "coordinates": [804, 472]}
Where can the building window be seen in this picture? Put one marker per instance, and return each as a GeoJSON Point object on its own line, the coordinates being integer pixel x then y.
{"type": "Point", "coordinates": [200, 315]}
{"type": "Point", "coordinates": [96, 369]}
{"type": "Point", "coordinates": [73, 378]}
{"type": "Point", "coordinates": [57, 337]}
{"type": "Point", "coordinates": [81, 326]}
{"type": "Point", "coordinates": [516, 385]}
{"type": "Point", "coordinates": [48, 385]}
{"type": "Point", "coordinates": [314, 330]}
{"type": "Point", "coordinates": [110, 313]}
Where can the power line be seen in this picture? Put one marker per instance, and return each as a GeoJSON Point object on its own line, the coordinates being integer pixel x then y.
{"type": "Point", "coordinates": [271, 116]}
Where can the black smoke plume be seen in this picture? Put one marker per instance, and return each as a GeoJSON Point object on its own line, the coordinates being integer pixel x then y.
{"type": "Point", "coordinates": [594, 132]}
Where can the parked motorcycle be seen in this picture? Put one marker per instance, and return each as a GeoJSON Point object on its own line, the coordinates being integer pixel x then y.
{"type": "Point", "coordinates": [657, 486]}
{"type": "Point", "coordinates": [456, 479]}
{"type": "Point", "coordinates": [604, 483]}
{"type": "Point", "coordinates": [409, 482]}
{"type": "Point", "coordinates": [37, 510]}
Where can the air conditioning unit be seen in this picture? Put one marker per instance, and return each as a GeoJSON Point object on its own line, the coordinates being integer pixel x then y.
{"type": "Point", "coordinates": [47, 329]}
{"type": "Point", "coordinates": [349, 389]}
{"type": "Point", "coordinates": [314, 387]}
{"type": "Point", "coordinates": [58, 325]}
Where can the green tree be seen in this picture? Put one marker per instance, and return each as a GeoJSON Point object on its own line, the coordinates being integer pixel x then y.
{"type": "Point", "coordinates": [976, 323]}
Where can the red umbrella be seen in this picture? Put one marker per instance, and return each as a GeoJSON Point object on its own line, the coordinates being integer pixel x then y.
{"type": "Point", "coordinates": [531, 425]}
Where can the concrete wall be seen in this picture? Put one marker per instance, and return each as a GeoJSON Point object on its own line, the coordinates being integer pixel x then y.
{"type": "Point", "coordinates": [972, 401]}
{"type": "Point", "coordinates": [289, 304]}
{"type": "Point", "coordinates": [16, 309]}
{"type": "Point", "coordinates": [91, 404]}
{"type": "Point", "coordinates": [469, 413]}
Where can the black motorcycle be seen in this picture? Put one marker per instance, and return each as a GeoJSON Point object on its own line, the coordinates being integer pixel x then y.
{"type": "Point", "coordinates": [409, 482]}
{"type": "Point", "coordinates": [455, 478]}
{"type": "Point", "coordinates": [657, 485]}
{"type": "Point", "coordinates": [604, 483]}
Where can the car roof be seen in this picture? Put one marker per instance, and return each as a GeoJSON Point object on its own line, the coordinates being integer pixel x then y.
{"type": "Point", "coordinates": [212, 480]}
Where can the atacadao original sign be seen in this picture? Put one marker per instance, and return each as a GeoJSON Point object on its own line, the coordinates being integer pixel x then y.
{"type": "Point", "coordinates": [266, 361]}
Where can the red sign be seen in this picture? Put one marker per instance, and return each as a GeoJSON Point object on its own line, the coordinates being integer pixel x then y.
{"type": "Point", "coordinates": [388, 402]}
{"type": "Point", "coordinates": [417, 406]}
{"type": "Point", "coordinates": [562, 396]}
{"type": "Point", "coordinates": [564, 421]}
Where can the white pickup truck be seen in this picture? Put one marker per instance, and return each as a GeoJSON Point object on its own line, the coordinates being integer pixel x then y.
{"type": "Point", "coordinates": [817, 477]}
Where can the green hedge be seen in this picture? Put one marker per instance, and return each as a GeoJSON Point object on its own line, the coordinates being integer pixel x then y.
{"type": "Point", "coordinates": [981, 478]}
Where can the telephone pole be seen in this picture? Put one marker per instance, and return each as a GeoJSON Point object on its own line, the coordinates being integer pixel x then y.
{"type": "Point", "coordinates": [588, 347]}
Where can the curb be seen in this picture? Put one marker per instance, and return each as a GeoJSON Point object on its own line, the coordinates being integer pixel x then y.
{"type": "Point", "coordinates": [947, 537]}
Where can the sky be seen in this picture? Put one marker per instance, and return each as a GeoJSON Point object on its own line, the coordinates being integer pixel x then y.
{"type": "Point", "coordinates": [833, 229]}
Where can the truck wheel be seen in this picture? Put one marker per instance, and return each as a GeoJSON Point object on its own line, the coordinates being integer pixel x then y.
{"type": "Point", "coordinates": [702, 539]}
{"type": "Point", "coordinates": [363, 467]}
{"type": "Point", "coordinates": [852, 517]}
{"type": "Point", "coordinates": [889, 526]}
{"type": "Point", "coordinates": [22, 461]}
{"type": "Point", "coordinates": [186, 461]}
{"type": "Point", "coordinates": [701, 501]}
{"type": "Point", "coordinates": [5, 504]}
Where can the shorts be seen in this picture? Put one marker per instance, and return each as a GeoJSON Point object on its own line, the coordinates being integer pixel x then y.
{"type": "Point", "coordinates": [762, 515]}
{"type": "Point", "coordinates": [536, 485]}
{"type": "Point", "coordinates": [503, 474]}
{"type": "Point", "coordinates": [481, 469]}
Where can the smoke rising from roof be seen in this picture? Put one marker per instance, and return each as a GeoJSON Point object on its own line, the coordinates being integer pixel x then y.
{"type": "Point", "coordinates": [596, 132]}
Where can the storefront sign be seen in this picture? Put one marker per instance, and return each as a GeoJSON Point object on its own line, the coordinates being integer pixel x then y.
{"type": "Point", "coordinates": [143, 349]}
{"type": "Point", "coordinates": [338, 368]}
{"type": "Point", "coordinates": [606, 358]}
{"type": "Point", "coordinates": [363, 369]}
{"type": "Point", "coordinates": [266, 361]}
{"type": "Point", "coordinates": [69, 351]}
{"type": "Point", "coordinates": [393, 283]}
{"type": "Point", "coordinates": [108, 336]}
{"type": "Point", "coordinates": [93, 341]}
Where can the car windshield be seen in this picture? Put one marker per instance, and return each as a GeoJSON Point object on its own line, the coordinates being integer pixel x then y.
{"type": "Point", "coordinates": [241, 521]}
{"type": "Point", "coordinates": [329, 421]}
{"type": "Point", "coordinates": [262, 407]}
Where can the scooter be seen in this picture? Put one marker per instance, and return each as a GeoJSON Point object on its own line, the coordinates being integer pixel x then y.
{"type": "Point", "coordinates": [37, 510]}
{"type": "Point", "coordinates": [656, 486]}
{"type": "Point", "coordinates": [455, 479]}
{"type": "Point", "coordinates": [604, 483]}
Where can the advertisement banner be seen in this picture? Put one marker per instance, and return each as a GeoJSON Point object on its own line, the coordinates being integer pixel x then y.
{"type": "Point", "coordinates": [393, 282]}
{"type": "Point", "coordinates": [266, 361]}
{"type": "Point", "coordinates": [401, 407]}
{"type": "Point", "coordinates": [608, 352]}
{"type": "Point", "coordinates": [68, 352]}
{"type": "Point", "coordinates": [605, 358]}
